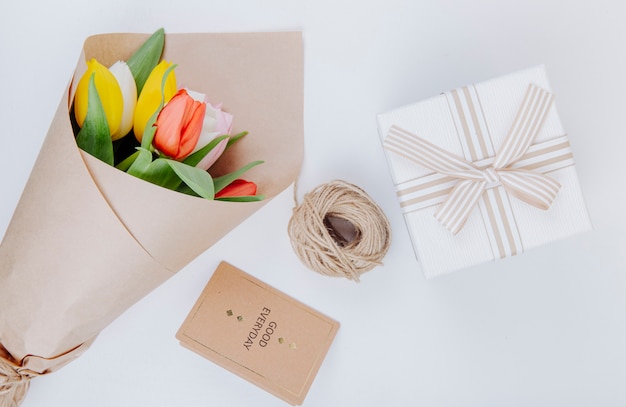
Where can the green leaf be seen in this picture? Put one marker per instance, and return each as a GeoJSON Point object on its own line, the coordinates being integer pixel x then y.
{"type": "Point", "coordinates": [143, 160]}
{"type": "Point", "coordinates": [196, 178]}
{"type": "Point", "coordinates": [184, 188]}
{"type": "Point", "coordinates": [157, 172]}
{"type": "Point", "coordinates": [160, 173]}
{"type": "Point", "coordinates": [195, 158]}
{"type": "Point", "coordinates": [94, 137]}
{"type": "Point", "coordinates": [127, 162]}
{"type": "Point", "coordinates": [148, 134]}
{"type": "Point", "coordinates": [236, 137]}
{"type": "Point", "coordinates": [143, 61]}
{"type": "Point", "coordinates": [247, 198]}
{"type": "Point", "coordinates": [225, 180]}
{"type": "Point", "coordinates": [123, 148]}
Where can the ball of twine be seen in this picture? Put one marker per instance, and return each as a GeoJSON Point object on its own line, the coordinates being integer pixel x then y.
{"type": "Point", "coordinates": [339, 231]}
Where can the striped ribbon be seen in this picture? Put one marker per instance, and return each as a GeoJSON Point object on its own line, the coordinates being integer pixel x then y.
{"type": "Point", "coordinates": [459, 185]}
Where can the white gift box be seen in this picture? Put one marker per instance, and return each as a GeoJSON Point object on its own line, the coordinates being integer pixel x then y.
{"type": "Point", "coordinates": [522, 189]}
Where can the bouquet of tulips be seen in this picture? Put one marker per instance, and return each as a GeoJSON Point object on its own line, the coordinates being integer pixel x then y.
{"type": "Point", "coordinates": [136, 178]}
{"type": "Point", "coordinates": [178, 133]}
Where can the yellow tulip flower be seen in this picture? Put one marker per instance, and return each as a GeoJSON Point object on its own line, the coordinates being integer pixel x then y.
{"type": "Point", "coordinates": [108, 90]}
{"type": "Point", "coordinates": [151, 97]}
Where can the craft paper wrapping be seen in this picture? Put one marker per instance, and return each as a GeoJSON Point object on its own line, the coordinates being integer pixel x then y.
{"type": "Point", "coordinates": [86, 241]}
{"type": "Point", "coordinates": [448, 122]}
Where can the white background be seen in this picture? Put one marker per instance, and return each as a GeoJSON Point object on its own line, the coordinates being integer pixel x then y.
{"type": "Point", "coordinates": [547, 328]}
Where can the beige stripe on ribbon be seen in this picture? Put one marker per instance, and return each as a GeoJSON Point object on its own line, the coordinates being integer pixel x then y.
{"type": "Point", "coordinates": [510, 234]}
{"type": "Point", "coordinates": [518, 168]}
{"type": "Point", "coordinates": [434, 182]}
{"type": "Point", "coordinates": [429, 155]}
{"type": "Point", "coordinates": [429, 190]}
{"type": "Point", "coordinates": [470, 123]}
{"type": "Point", "coordinates": [480, 128]}
{"type": "Point", "coordinates": [463, 127]}
{"type": "Point", "coordinates": [530, 118]}
{"type": "Point", "coordinates": [503, 233]}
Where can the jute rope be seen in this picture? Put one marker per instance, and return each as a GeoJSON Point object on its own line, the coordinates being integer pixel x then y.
{"type": "Point", "coordinates": [319, 243]}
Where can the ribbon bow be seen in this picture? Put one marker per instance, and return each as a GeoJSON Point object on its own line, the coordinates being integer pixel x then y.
{"type": "Point", "coordinates": [532, 187]}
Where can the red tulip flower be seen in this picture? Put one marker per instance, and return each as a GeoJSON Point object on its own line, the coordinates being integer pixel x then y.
{"type": "Point", "coordinates": [179, 125]}
{"type": "Point", "coordinates": [238, 187]}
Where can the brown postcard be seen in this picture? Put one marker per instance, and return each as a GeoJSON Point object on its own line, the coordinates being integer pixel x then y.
{"type": "Point", "coordinates": [258, 333]}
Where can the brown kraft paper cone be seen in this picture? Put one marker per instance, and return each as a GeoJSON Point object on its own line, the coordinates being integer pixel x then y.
{"type": "Point", "coordinates": [87, 241]}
